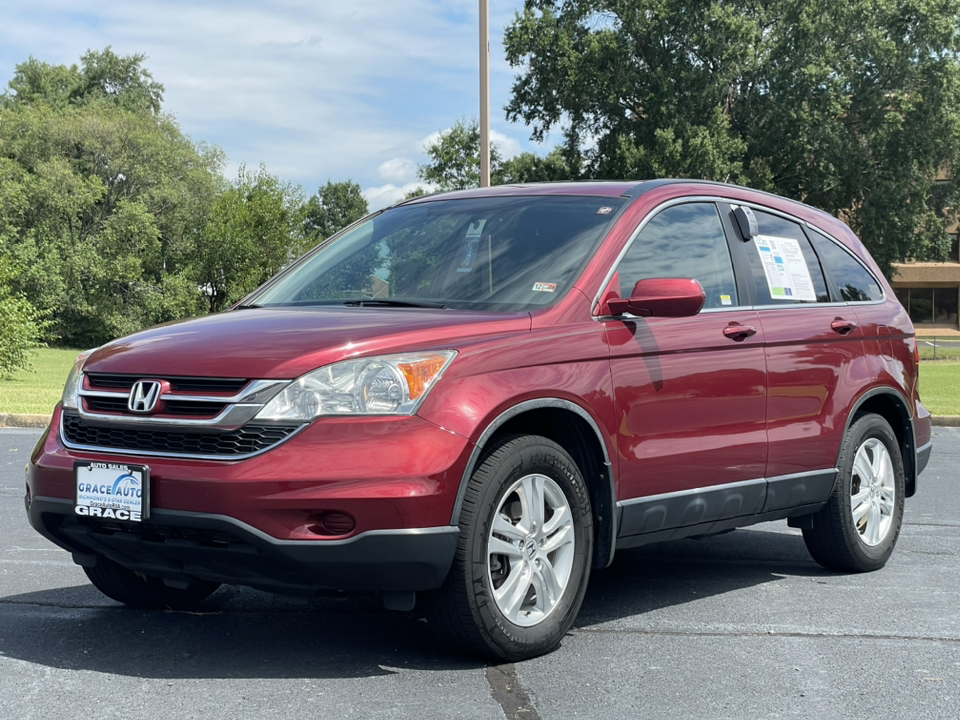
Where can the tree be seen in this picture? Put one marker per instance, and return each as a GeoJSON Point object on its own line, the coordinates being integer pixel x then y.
{"type": "Point", "coordinates": [455, 158]}
{"type": "Point", "coordinates": [21, 326]}
{"type": "Point", "coordinates": [101, 198]}
{"type": "Point", "coordinates": [529, 167]}
{"type": "Point", "coordinates": [455, 162]}
{"type": "Point", "coordinates": [335, 206]}
{"type": "Point", "coordinates": [853, 107]}
{"type": "Point", "coordinates": [256, 226]}
{"type": "Point", "coordinates": [102, 75]}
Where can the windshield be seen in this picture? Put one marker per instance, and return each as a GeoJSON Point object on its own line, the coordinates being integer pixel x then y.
{"type": "Point", "coordinates": [492, 253]}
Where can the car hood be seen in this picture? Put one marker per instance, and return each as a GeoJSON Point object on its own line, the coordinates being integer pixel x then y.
{"type": "Point", "coordinates": [286, 343]}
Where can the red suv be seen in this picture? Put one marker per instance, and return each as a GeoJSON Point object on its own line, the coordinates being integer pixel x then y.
{"type": "Point", "coordinates": [484, 395]}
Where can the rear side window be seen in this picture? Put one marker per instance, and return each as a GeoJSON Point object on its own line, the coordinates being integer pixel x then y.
{"type": "Point", "coordinates": [853, 280]}
{"type": "Point", "coordinates": [683, 241]}
{"type": "Point", "coordinates": [784, 267]}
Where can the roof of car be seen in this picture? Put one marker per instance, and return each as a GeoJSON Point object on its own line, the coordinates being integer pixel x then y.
{"type": "Point", "coordinates": [601, 188]}
{"type": "Point", "coordinates": [609, 188]}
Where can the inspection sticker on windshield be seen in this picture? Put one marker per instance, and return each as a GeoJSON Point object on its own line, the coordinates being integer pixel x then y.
{"type": "Point", "coordinates": [788, 276]}
{"type": "Point", "coordinates": [111, 490]}
{"type": "Point", "coordinates": [544, 287]}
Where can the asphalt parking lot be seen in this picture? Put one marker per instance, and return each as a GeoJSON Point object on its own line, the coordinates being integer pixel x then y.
{"type": "Point", "coordinates": [742, 625]}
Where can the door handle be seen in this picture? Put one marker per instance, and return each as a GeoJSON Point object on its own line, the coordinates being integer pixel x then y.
{"type": "Point", "coordinates": [738, 332]}
{"type": "Point", "coordinates": [844, 327]}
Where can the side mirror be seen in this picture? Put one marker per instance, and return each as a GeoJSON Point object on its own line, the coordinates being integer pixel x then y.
{"type": "Point", "coordinates": [661, 297]}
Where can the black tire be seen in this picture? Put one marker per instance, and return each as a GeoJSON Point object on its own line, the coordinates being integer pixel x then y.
{"type": "Point", "coordinates": [838, 541]}
{"type": "Point", "coordinates": [545, 576]}
{"type": "Point", "coordinates": [141, 591]}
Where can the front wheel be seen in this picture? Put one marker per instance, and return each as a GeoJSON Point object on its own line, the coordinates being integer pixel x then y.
{"type": "Point", "coordinates": [858, 528]}
{"type": "Point", "coordinates": [524, 554]}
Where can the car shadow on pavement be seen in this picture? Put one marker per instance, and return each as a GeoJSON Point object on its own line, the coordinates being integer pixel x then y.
{"type": "Point", "coordinates": [243, 633]}
{"type": "Point", "coordinates": [642, 581]}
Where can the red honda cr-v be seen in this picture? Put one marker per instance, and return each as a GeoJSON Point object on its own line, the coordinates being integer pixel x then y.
{"type": "Point", "coordinates": [485, 394]}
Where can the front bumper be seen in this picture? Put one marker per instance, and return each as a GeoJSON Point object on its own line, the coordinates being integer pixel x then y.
{"type": "Point", "coordinates": [182, 546]}
{"type": "Point", "coordinates": [254, 521]}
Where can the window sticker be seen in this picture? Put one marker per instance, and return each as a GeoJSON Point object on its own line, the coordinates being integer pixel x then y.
{"type": "Point", "coordinates": [726, 300]}
{"type": "Point", "coordinates": [605, 210]}
{"type": "Point", "coordinates": [469, 256]}
{"type": "Point", "coordinates": [544, 287]}
{"type": "Point", "coordinates": [788, 276]}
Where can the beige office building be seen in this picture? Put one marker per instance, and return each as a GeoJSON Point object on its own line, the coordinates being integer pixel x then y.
{"type": "Point", "coordinates": [930, 292]}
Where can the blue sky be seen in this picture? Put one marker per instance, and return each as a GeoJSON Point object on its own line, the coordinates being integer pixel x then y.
{"type": "Point", "coordinates": [316, 90]}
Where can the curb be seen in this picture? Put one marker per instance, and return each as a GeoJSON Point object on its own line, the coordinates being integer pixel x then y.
{"type": "Point", "coordinates": [40, 421]}
{"type": "Point", "coordinates": [24, 421]}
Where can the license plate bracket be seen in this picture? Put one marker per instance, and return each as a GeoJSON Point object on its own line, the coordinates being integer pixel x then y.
{"type": "Point", "coordinates": [112, 491]}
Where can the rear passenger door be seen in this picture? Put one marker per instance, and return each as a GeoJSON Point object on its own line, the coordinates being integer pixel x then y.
{"type": "Point", "coordinates": [813, 346]}
{"type": "Point", "coordinates": [690, 391]}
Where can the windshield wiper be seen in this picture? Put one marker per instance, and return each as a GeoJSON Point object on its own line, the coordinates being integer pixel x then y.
{"type": "Point", "coordinates": [395, 303]}
{"type": "Point", "coordinates": [249, 306]}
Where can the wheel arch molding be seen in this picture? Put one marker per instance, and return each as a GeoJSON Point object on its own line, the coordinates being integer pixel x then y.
{"type": "Point", "coordinates": [573, 428]}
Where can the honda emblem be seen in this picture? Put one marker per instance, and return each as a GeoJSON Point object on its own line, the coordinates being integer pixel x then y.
{"type": "Point", "coordinates": [144, 396]}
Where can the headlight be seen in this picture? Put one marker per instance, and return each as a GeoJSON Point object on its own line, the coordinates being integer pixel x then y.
{"type": "Point", "coordinates": [385, 385]}
{"type": "Point", "coordinates": [71, 389]}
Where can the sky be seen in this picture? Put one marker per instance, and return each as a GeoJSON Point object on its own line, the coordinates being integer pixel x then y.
{"type": "Point", "coordinates": [316, 90]}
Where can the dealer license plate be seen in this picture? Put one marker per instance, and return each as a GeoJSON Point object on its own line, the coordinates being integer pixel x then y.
{"type": "Point", "coordinates": [114, 491]}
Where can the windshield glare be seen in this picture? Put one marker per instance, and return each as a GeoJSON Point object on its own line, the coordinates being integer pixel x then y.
{"type": "Point", "coordinates": [493, 253]}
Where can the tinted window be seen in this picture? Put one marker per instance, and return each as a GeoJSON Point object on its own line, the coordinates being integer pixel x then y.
{"type": "Point", "coordinates": [683, 241]}
{"type": "Point", "coordinates": [784, 266]}
{"type": "Point", "coordinates": [852, 279]}
{"type": "Point", "coordinates": [930, 306]}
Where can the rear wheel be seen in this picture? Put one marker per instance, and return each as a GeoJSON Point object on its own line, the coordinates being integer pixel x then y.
{"type": "Point", "coordinates": [136, 590]}
{"type": "Point", "coordinates": [858, 528]}
{"type": "Point", "coordinates": [524, 555]}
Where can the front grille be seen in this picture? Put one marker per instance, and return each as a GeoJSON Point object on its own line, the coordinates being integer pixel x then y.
{"type": "Point", "coordinates": [102, 404]}
{"type": "Point", "coordinates": [171, 407]}
{"type": "Point", "coordinates": [201, 385]}
{"type": "Point", "coordinates": [248, 440]}
{"type": "Point", "coordinates": [200, 409]}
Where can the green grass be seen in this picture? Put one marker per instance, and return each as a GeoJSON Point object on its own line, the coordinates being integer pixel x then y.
{"type": "Point", "coordinates": [940, 387]}
{"type": "Point", "coordinates": [36, 391]}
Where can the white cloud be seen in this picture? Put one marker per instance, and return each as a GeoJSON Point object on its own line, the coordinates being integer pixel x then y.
{"type": "Point", "coordinates": [398, 170]}
{"type": "Point", "coordinates": [508, 146]}
{"type": "Point", "coordinates": [385, 195]}
{"type": "Point", "coordinates": [315, 90]}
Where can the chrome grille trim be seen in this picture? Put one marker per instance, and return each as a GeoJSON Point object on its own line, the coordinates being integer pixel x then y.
{"type": "Point", "coordinates": [240, 408]}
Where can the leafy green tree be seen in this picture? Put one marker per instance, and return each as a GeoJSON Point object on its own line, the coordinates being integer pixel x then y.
{"type": "Point", "coordinates": [415, 193]}
{"type": "Point", "coordinates": [101, 198]}
{"type": "Point", "coordinates": [529, 167]}
{"type": "Point", "coordinates": [455, 162]}
{"type": "Point", "coordinates": [853, 107]}
{"type": "Point", "coordinates": [102, 75]}
{"type": "Point", "coordinates": [256, 226]}
{"type": "Point", "coordinates": [21, 326]}
{"type": "Point", "coordinates": [335, 206]}
{"type": "Point", "coordinates": [455, 158]}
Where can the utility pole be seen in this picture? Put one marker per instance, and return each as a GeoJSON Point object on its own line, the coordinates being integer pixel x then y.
{"type": "Point", "coordinates": [484, 94]}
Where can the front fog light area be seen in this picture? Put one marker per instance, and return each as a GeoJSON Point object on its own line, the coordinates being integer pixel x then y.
{"type": "Point", "coordinates": [385, 385]}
